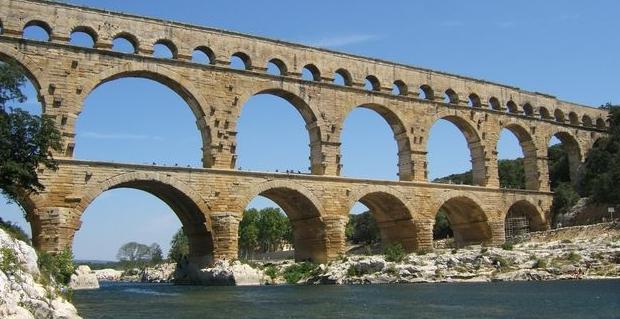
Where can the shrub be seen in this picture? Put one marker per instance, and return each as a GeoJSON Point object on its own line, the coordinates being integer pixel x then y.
{"type": "Point", "coordinates": [58, 266]}
{"type": "Point", "coordinates": [507, 246]}
{"type": "Point", "coordinates": [540, 263]}
{"type": "Point", "coordinates": [573, 256]}
{"type": "Point", "coordinates": [566, 241]}
{"type": "Point", "coordinates": [9, 260]}
{"type": "Point", "coordinates": [353, 272]}
{"type": "Point", "coordinates": [422, 252]}
{"type": "Point", "coordinates": [501, 262]}
{"type": "Point", "coordinates": [484, 250]}
{"type": "Point", "coordinates": [14, 230]}
{"type": "Point", "coordinates": [294, 273]}
{"type": "Point", "coordinates": [271, 271]}
{"type": "Point", "coordinates": [394, 252]}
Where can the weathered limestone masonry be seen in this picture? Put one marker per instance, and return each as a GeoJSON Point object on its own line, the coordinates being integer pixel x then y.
{"type": "Point", "coordinates": [210, 201]}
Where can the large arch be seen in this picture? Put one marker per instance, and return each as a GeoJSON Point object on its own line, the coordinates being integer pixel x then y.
{"type": "Point", "coordinates": [191, 209]}
{"type": "Point", "coordinates": [523, 217]}
{"type": "Point", "coordinates": [394, 216]}
{"type": "Point", "coordinates": [573, 150]}
{"type": "Point", "coordinates": [474, 144]}
{"type": "Point", "coordinates": [31, 71]}
{"type": "Point", "coordinates": [403, 143]}
{"type": "Point", "coordinates": [170, 79]}
{"type": "Point", "coordinates": [304, 212]}
{"type": "Point", "coordinates": [308, 114]}
{"type": "Point", "coordinates": [467, 219]}
{"type": "Point", "coordinates": [530, 156]}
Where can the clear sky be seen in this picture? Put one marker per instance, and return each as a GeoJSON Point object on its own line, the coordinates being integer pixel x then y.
{"type": "Point", "coordinates": [565, 48]}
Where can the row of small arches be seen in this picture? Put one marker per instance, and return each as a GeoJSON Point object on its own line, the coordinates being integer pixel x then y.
{"type": "Point", "coordinates": [127, 43]}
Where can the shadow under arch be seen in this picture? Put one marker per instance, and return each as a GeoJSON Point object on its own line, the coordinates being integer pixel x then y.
{"type": "Point", "coordinates": [187, 204]}
{"type": "Point", "coordinates": [529, 155]}
{"type": "Point", "coordinates": [573, 151]}
{"type": "Point", "coordinates": [308, 114]}
{"type": "Point", "coordinates": [173, 81]}
{"type": "Point", "coordinates": [403, 143]}
{"type": "Point", "coordinates": [474, 144]}
{"type": "Point", "coordinates": [523, 217]}
{"type": "Point", "coordinates": [467, 219]}
{"type": "Point", "coordinates": [394, 217]}
{"type": "Point", "coordinates": [304, 212]}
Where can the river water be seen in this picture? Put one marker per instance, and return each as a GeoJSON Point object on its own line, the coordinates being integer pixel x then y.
{"type": "Point", "coordinates": [550, 299]}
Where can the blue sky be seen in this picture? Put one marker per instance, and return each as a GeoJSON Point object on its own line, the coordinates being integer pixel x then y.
{"type": "Point", "coordinates": [567, 49]}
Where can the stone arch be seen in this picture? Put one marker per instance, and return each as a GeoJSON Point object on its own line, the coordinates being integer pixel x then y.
{"type": "Point", "coordinates": [474, 143]}
{"type": "Point", "coordinates": [400, 88]}
{"type": "Point", "coordinates": [207, 52]}
{"type": "Point", "coordinates": [559, 115]}
{"type": "Point", "coordinates": [468, 221]}
{"type": "Point", "coordinates": [346, 76]}
{"type": "Point", "coordinates": [494, 103]}
{"type": "Point", "coordinates": [512, 107]}
{"type": "Point", "coordinates": [573, 118]}
{"type": "Point", "coordinates": [245, 59]}
{"type": "Point", "coordinates": [280, 65]}
{"type": "Point", "coordinates": [169, 45]}
{"type": "Point", "coordinates": [544, 113]}
{"type": "Point", "coordinates": [191, 208]}
{"type": "Point", "coordinates": [42, 24]}
{"type": "Point", "coordinates": [88, 30]}
{"type": "Point", "coordinates": [394, 120]}
{"type": "Point", "coordinates": [392, 212]}
{"type": "Point", "coordinates": [304, 211]}
{"type": "Point", "coordinates": [530, 154]}
{"type": "Point", "coordinates": [373, 82]}
{"type": "Point", "coordinates": [309, 115]}
{"type": "Point", "coordinates": [523, 217]}
{"type": "Point", "coordinates": [600, 123]}
{"type": "Point", "coordinates": [528, 109]}
{"type": "Point", "coordinates": [586, 120]}
{"type": "Point", "coordinates": [474, 100]}
{"type": "Point", "coordinates": [132, 39]}
{"type": "Point", "coordinates": [314, 72]}
{"type": "Point", "coordinates": [451, 96]}
{"type": "Point", "coordinates": [573, 149]}
{"type": "Point", "coordinates": [170, 79]}
{"type": "Point", "coordinates": [33, 71]}
{"type": "Point", "coordinates": [427, 92]}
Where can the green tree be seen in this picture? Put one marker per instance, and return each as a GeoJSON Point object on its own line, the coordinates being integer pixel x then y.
{"type": "Point", "coordinates": [442, 229]}
{"type": "Point", "coordinates": [274, 229]}
{"type": "Point", "coordinates": [26, 140]}
{"type": "Point", "coordinates": [600, 174]}
{"type": "Point", "coordinates": [363, 228]}
{"type": "Point", "coordinates": [511, 173]}
{"type": "Point", "coordinates": [134, 254]}
{"type": "Point", "coordinates": [248, 233]}
{"type": "Point", "coordinates": [179, 246]}
{"type": "Point", "coordinates": [157, 256]}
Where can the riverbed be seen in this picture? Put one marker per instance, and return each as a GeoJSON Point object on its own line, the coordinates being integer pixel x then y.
{"type": "Point", "coordinates": [548, 299]}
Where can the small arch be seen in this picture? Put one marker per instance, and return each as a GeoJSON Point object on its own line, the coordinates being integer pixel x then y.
{"type": "Point", "coordinates": [240, 61]}
{"type": "Point", "coordinates": [203, 55]}
{"type": "Point", "coordinates": [511, 106]}
{"type": "Point", "coordinates": [528, 149]}
{"type": "Point", "coordinates": [523, 217]}
{"type": "Point", "coordinates": [467, 220]}
{"type": "Point", "coordinates": [600, 123]}
{"type": "Point", "coordinates": [427, 92]}
{"type": "Point", "coordinates": [125, 43]}
{"type": "Point", "coordinates": [559, 116]}
{"type": "Point", "coordinates": [311, 73]}
{"type": "Point", "coordinates": [165, 49]}
{"type": "Point", "coordinates": [37, 30]}
{"type": "Point", "coordinates": [587, 121]}
{"type": "Point", "coordinates": [399, 88]}
{"type": "Point", "coordinates": [474, 100]}
{"type": "Point", "coordinates": [573, 118]}
{"type": "Point", "coordinates": [528, 109]}
{"type": "Point", "coordinates": [544, 113]}
{"type": "Point", "coordinates": [371, 83]}
{"type": "Point", "coordinates": [83, 36]}
{"type": "Point", "coordinates": [494, 103]}
{"type": "Point", "coordinates": [276, 67]}
{"type": "Point", "coordinates": [343, 77]}
{"type": "Point", "coordinates": [451, 97]}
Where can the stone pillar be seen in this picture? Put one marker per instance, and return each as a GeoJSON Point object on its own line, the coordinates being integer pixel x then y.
{"type": "Point", "coordinates": [542, 166]}
{"type": "Point", "coordinates": [399, 232]}
{"type": "Point", "coordinates": [225, 228]}
{"type": "Point", "coordinates": [498, 232]}
{"type": "Point", "coordinates": [491, 167]}
{"type": "Point", "coordinates": [405, 157]}
{"type": "Point", "coordinates": [54, 228]}
{"type": "Point", "coordinates": [478, 163]}
{"type": "Point", "coordinates": [335, 231]}
{"type": "Point", "coordinates": [311, 238]}
{"type": "Point", "coordinates": [325, 158]}
{"type": "Point", "coordinates": [424, 235]}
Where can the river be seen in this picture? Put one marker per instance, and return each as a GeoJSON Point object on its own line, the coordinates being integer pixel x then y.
{"type": "Point", "coordinates": [549, 299]}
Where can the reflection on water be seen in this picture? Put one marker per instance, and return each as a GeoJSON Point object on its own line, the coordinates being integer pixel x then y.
{"type": "Point", "coordinates": [553, 299]}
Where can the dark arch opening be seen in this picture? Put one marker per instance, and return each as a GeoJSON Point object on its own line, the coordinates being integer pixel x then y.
{"type": "Point", "coordinates": [512, 107]}
{"type": "Point", "coordinates": [443, 168]}
{"type": "Point", "coordinates": [309, 238]}
{"type": "Point", "coordinates": [528, 109]}
{"type": "Point", "coordinates": [282, 147]}
{"type": "Point", "coordinates": [147, 209]}
{"type": "Point", "coordinates": [587, 121]}
{"type": "Point", "coordinates": [564, 159]}
{"type": "Point", "coordinates": [474, 101]}
{"type": "Point", "coordinates": [559, 116]}
{"type": "Point", "coordinates": [37, 30]}
{"type": "Point", "coordinates": [494, 103]}
{"type": "Point", "coordinates": [517, 159]}
{"type": "Point", "coordinates": [125, 43]}
{"type": "Point", "coordinates": [371, 83]}
{"type": "Point", "coordinates": [544, 113]}
{"type": "Point", "coordinates": [352, 151]}
{"type": "Point", "coordinates": [522, 218]}
{"type": "Point", "coordinates": [165, 49]}
{"type": "Point", "coordinates": [203, 55]}
{"type": "Point", "coordinates": [276, 67]}
{"type": "Point", "coordinates": [84, 37]}
{"type": "Point", "coordinates": [400, 88]}
{"type": "Point", "coordinates": [311, 73]}
{"type": "Point", "coordinates": [467, 221]}
{"type": "Point", "coordinates": [573, 118]}
{"type": "Point", "coordinates": [600, 123]}
{"type": "Point", "coordinates": [343, 77]}
{"type": "Point", "coordinates": [240, 61]}
{"type": "Point", "coordinates": [149, 122]}
{"type": "Point", "coordinates": [451, 97]}
{"type": "Point", "coordinates": [426, 92]}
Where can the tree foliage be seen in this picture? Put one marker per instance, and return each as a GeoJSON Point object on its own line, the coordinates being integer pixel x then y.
{"type": "Point", "coordinates": [442, 229]}
{"type": "Point", "coordinates": [362, 229]}
{"type": "Point", "coordinates": [265, 230]}
{"type": "Point", "coordinates": [139, 255]}
{"type": "Point", "coordinates": [26, 140]}
{"type": "Point", "coordinates": [179, 246]}
{"type": "Point", "coordinates": [511, 173]}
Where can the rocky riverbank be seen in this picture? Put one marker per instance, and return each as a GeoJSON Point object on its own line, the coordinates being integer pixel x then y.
{"type": "Point", "coordinates": [24, 292]}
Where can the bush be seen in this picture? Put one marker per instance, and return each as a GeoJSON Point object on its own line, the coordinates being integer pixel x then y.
{"type": "Point", "coordinates": [9, 260]}
{"type": "Point", "coordinates": [540, 263]}
{"type": "Point", "coordinates": [271, 271]}
{"type": "Point", "coordinates": [14, 230]}
{"type": "Point", "coordinates": [296, 272]}
{"type": "Point", "coordinates": [394, 252]}
{"type": "Point", "coordinates": [58, 267]}
{"type": "Point", "coordinates": [573, 256]}
{"type": "Point", "coordinates": [507, 246]}
{"type": "Point", "coordinates": [501, 262]}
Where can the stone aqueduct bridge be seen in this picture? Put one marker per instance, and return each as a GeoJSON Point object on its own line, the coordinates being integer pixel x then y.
{"type": "Point", "coordinates": [209, 201]}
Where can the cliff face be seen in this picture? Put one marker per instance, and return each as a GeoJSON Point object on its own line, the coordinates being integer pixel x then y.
{"type": "Point", "coordinates": [21, 293]}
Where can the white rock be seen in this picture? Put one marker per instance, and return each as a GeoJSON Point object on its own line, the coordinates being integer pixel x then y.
{"type": "Point", "coordinates": [83, 278]}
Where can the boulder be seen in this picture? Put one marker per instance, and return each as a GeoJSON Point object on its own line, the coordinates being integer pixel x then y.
{"type": "Point", "coordinates": [108, 274]}
{"type": "Point", "coordinates": [158, 273]}
{"type": "Point", "coordinates": [83, 278]}
{"type": "Point", "coordinates": [232, 274]}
